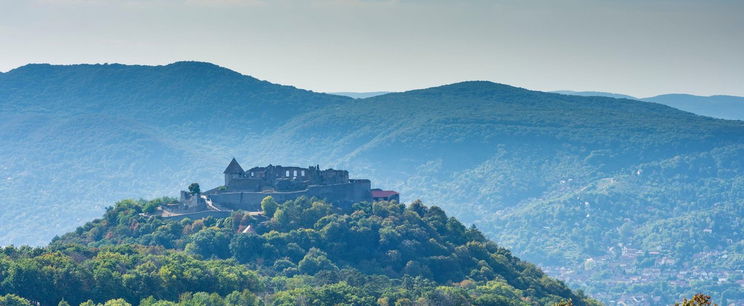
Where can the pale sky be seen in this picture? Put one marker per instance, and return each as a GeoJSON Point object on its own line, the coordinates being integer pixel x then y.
{"type": "Point", "coordinates": [636, 47]}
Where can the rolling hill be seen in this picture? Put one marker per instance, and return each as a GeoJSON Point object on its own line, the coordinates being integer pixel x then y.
{"type": "Point", "coordinates": [720, 106]}
{"type": "Point", "coordinates": [595, 93]}
{"type": "Point", "coordinates": [303, 252]}
{"type": "Point", "coordinates": [84, 135]}
{"type": "Point", "coordinates": [617, 196]}
{"type": "Point", "coordinates": [724, 107]}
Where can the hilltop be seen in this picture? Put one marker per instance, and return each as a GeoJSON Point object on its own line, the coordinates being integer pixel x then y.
{"type": "Point", "coordinates": [301, 251]}
{"type": "Point", "coordinates": [74, 131]}
{"type": "Point", "coordinates": [597, 190]}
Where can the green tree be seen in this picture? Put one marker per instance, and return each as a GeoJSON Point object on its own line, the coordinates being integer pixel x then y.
{"type": "Point", "coordinates": [242, 298]}
{"type": "Point", "coordinates": [117, 302]}
{"type": "Point", "coordinates": [697, 300]}
{"type": "Point", "coordinates": [210, 242]}
{"type": "Point", "coordinates": [315, 260]}
{"type": "Point", "coordinates": [13, 300]}
{"type": "Point", "coordinates": [150, 207]}
{"type": "Point", "coordinates": [568, 302]}
{"type": "Point", "coordinates": [194, 188]}
{"type": "Point", "coordinates": [269, 206]}
{"type": "Point", "coordinates": [246, 247]}
{"type": "Point", "coordinates": [493, 300]}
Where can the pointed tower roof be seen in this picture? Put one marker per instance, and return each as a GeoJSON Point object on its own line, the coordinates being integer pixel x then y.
{"type": "Point", "coordinates": [233, 168]}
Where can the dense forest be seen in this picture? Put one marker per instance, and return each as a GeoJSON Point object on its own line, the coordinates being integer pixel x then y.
{"type": "Point", "coordinates": [299, 252]}
{"type": "Point", "coordinates": [626, 199]}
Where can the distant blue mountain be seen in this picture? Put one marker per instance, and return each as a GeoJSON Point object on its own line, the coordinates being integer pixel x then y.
{"type": "Point", "coordinates": [578, 184]}
{"type": "Point", "coordinates": [594, 94]}
{"type": "Point", "coordinates": [724, 107]}
{"type": "Point", "coordinates": [719, 106]}
{"type": "Point", "coordinates": [360, 95]}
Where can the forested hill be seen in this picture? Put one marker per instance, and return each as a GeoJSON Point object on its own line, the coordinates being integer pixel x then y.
{"type": "Point", "coordinates": [298, 252]}
{"type": "Point", "coordinates": [77, 136]}
{"type": "Point", "coordinates": [595, 189]}
{"type": "Point", "coordinates": [195, 92]}
{"type": "Point", "coordinates": [598, 189]}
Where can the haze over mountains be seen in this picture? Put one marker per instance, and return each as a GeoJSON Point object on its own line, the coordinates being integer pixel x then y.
{"type": "Point", "coordinates": [600, 186]}
{"type": "Point", "coordinates": [719, 106]}
{"type": "Point", "coordinates": [360, 95]}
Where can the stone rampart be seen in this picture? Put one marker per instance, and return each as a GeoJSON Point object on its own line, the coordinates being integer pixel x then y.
{"type": "Point", "coordinates": [339, 194]}
{"type": "Point", "coordinates": [200, 215]}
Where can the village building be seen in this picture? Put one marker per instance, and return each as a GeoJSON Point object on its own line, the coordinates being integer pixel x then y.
{"type": "Point", "coordinates": [385, 195]}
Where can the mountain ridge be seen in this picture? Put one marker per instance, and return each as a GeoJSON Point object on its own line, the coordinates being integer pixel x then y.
{"type": "Point", "coordinates": [717, 106]}
{"type": "Point", "coordinates": [486, 152]}
{"type": "Point", "coordinates": [368, 254]}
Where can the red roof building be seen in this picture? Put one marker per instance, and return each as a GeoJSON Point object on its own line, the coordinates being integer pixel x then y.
{"type": "Point", "coordinates": [385, 195]}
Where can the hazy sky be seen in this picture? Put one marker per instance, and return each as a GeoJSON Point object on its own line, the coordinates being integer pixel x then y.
{"type": "Point", "coordinates": [635, 47]}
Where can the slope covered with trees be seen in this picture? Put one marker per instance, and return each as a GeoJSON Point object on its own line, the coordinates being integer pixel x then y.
{"type": "Point", "coordinates": [615, 195]}
{"type": "Point", "coordinates": [308, 252]}
{"type": "Point", "coordinates": [80, 135]}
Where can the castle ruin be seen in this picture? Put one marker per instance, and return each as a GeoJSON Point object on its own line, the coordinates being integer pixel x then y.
{"type": "Point", "coordinates": [244, 189]}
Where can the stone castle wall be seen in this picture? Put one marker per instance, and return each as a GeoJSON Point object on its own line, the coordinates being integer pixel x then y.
{"type": "Point", "coordinates": [339, 194]}
{"type": "Point", "coordinates": [191, 202]}
{"type": "Point", "coordinates": [201, 215]}
{"type": "Point", "coordinates": [280, 178]}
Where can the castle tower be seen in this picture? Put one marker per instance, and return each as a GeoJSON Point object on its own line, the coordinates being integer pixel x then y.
{"type": "Point", "coordinates": [233, 170]}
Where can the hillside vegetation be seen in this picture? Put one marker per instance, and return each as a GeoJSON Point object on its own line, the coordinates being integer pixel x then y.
{"type": "Point", "coordinates": [308, 252]}
{"type": "Point", "coordinates": [83, 135]}
{"type": "Point", "coordinates": [615, 195]}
